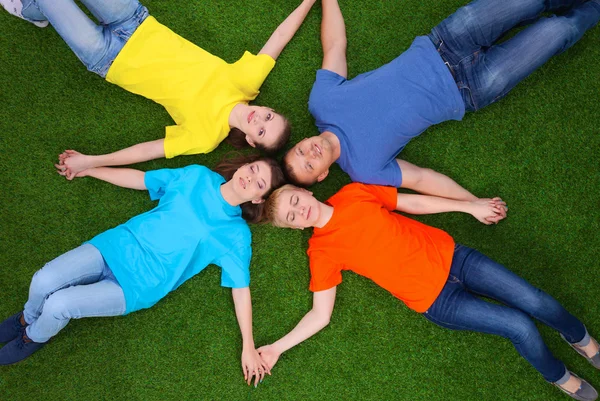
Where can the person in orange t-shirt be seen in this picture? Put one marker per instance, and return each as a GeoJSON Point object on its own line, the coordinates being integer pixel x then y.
{"type": "Point", "coordinates": [358, 230]}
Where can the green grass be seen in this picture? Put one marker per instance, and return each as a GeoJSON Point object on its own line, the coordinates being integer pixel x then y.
{"type": "Point", "coordinates": [538, 149]}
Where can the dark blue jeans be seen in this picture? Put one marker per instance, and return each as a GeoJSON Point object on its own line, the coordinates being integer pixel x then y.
{"type": "Point", "coordinates": [459, 307]}
{"type": "Point", "coordinates": [484, 70]}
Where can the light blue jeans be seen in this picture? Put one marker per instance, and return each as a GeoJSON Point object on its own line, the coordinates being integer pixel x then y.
{"type": "Point", "coordinates": [96, 46]}
{"type": "Point", "coordinates": [485, 69]}
{"type": "Point", "coordinates": [76, 284]}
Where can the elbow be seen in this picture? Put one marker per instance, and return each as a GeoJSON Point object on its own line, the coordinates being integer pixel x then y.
{"type": "Point", "coordinates": [324, 320]}
{"type": "Point", "coordinates": [335, 45]}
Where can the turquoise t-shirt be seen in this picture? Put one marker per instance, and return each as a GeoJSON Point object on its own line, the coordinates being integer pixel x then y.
{"type": "Point", "coordinates": [155, 252]}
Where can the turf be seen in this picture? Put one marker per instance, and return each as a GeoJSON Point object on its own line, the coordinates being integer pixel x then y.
{"type": "Point", "coordinates": [538, 149]}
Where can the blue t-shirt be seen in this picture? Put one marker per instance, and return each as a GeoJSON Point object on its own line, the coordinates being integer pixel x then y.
{"type": "Point", "coordinates": [375, 114]}
{"type": "Point", "coordinates": [192, 226]}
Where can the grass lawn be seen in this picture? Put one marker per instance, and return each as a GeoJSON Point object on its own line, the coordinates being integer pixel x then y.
{"type": "Point", "coordinates": [538, 149]}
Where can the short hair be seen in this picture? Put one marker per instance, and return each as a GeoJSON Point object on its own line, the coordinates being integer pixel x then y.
{"type": "Point", "coordinates": [290, 174]}
{"type": "Point", "coordinates": [271, 205]}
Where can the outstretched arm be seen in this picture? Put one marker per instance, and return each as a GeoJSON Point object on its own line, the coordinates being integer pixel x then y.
{"type": "Point", "coordinates": [430, 182]}
{"type": "Point", "coordinates": [333, 38]}
{"type": "Point", "coordinates": [252, 364]}
{"type": "Point", "coordinates": [122, 177]}
{"type": "Point", "coordinates": [487, 211]}
{"type": "Point", "coordinates": [75, 162]}
{"type": "Point", "coordinates": [286, 30]}
{"type": "Point", "coordinates": [313, 322]}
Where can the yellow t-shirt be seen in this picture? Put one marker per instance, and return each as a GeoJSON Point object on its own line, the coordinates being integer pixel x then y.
{"type": "Point", "coordinates": [197, 89]}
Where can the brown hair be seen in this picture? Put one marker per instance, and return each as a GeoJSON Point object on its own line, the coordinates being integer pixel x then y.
{"type": "Point", "coordinates": [271, 205]}
{"type": "Point", "coordinates": [237, 139]}
{"type": "Point", "coordinates": [290, 174]}
{"type": "Point", "coordinates": [251, 212]}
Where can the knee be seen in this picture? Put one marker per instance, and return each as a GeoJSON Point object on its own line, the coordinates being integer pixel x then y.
{"type": "Point", "coordinates": [57, 306]}
{"type": "Point", "coordinates": [42, 283]}
{"type": "Point", "coordinates": [521, 328]}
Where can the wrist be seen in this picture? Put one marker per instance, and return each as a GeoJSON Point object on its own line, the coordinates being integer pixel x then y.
{"type": "Point", "coordinates": [248, 346]}
{"type": "Point", "coordinates": [278, 348]}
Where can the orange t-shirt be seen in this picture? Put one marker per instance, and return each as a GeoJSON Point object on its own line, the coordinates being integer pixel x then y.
{"type": "Point", "coordinates": [409, 259]}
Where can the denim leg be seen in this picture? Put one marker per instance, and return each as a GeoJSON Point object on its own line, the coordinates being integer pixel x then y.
{"type": "Point", "coordinates": [101, 299]}
{"type": "Point", "coordinates": [111, 11]}
{"type": "Point", "coordinates": [96, 46]}
{"type": "Point", "coordinates": [483, 276]}
{"type": "Point", "coordinates": [482, 22]}
{"type": "Point", "coordinates": [493, 72]}
{"type": "Point", "coordinates": [82, 265]}
{"type": "Point", "coordinates": [458, 308]}
{"type": "Point", "coordinates": [31, 12]}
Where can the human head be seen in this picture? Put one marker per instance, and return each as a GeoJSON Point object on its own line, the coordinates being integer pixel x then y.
{"type": "Point", "coordinates": [254, 178]}
{"type": "Point", "coordinates": [263, 129]}
{"type": "Point", "coordinates": [308, 161]}
{"type": "Point", "coordinates": [292, 207]}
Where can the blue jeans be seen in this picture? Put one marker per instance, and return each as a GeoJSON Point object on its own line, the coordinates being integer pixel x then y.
{"type": "Point", "coordinates": [76, 284]}
{"type": "Point", "coordinates": [485, 70]}
{"type": "Point", "coordinates": [96, 46]}
{"type": "Point", "coordinates": [459, 307]}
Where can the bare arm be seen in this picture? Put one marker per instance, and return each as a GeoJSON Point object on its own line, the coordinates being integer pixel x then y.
{"type": "Point", "coordinates": [313, 322]}
{"type": "Point", "coordinates": [252, 364]}
{"type": "Point", "coordinates": [75, 162]}
{"type": "Point", "coordinates": [122, 177]}
{"type": "Point", "coordinates": [286, 30]}
{"type": "Point", "coordinates": [333, 38]}
{"type": "Point", "coordinates": [430, 182]}
{"type": "Point", "coordinates": [487, 211]}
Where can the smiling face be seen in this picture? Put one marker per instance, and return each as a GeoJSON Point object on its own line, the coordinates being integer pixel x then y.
{"type": "Point", "coordinates": [262, 126]}
{"type": "Point", "coordinates": [297, 208]}
{"type": "Point", "coordinates": [252, 181]}
{"type": "Point", "coordinates": [310, 160]}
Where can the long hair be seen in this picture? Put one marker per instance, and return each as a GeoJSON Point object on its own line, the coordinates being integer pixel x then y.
{"type": "Point", "coordinates": [251, 212]}
{"type": "Point", "coordinates": [237, 139]}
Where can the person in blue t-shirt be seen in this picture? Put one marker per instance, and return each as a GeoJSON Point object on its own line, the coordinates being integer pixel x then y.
{"type": "Point", "coordinates": [366, 121]}
{"type": "Point", "coordinates": [200, 220]}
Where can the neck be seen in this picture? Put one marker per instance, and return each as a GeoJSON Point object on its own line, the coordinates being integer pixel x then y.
{"type": "Point", "coordinates": [325, 214]}
{"type": "Point", "coordinates": [336, 148]}
{"type": "Point", "coordinates": [229, 194]}
{"type": "Point", "coordinates": [236, 116]}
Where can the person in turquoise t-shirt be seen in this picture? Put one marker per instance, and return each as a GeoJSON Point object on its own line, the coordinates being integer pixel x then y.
{"type": "Point", "coordinates": [200, 220]}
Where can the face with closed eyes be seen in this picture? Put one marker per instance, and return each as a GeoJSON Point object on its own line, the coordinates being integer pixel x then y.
{"type": "Point", "coordinates": [262, 126]}
{"type": "Point", "coordinates": [297, 208]}
{"type": "Point", "coordinates": [252, 181]}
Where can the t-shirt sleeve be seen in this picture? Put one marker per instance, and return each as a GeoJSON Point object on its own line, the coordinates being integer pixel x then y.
{"type": "Point", "coordinates": [387, 196]}
{"type": "Point", "coordinates": [324, 82]}
{"type": "Point", "coordinates": [235, 267]}
{"type": "Point", "coordinates": [179, 140]}
{"type": "Point", "coordinates": [251, 70]}
{"type": "Point", "coordinates": [324, 274]}
{"type": "Point", "coordinates": [390, 175]}
{"type": "Point", "coordinates": [158, 181]}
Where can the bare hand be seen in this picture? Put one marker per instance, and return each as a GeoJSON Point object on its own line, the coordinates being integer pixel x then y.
{"type": "Point", "coordinates": [72, 163]}
{"type": "Point", "coordinates": [269, 355]}
{"type": "Point", "coordinates": [489, 211]}
{"type": "Point", "coordinates": [253, 365]}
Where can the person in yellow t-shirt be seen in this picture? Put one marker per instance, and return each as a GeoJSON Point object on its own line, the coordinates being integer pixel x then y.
{"type": "Point", "coordinates": [206, 96]}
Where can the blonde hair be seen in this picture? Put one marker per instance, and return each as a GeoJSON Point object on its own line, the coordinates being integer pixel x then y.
{"type": "Point", "coordinates": [271, 206]}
